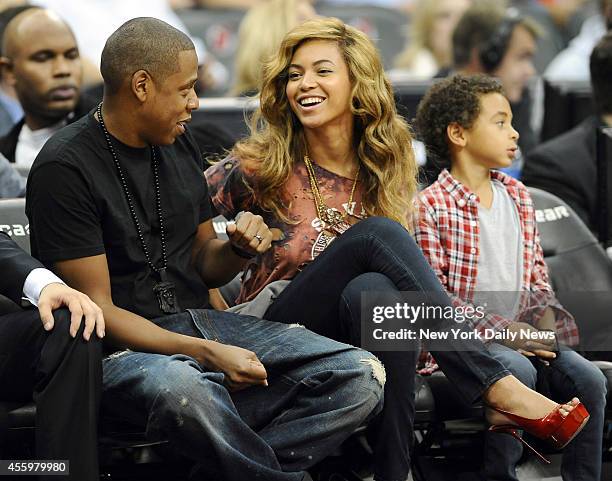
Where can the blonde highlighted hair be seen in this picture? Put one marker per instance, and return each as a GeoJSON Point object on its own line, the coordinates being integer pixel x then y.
{"type": "Point", "coordinates": [383, 141]}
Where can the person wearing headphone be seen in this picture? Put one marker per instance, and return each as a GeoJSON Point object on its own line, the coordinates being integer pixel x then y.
{"type": "Point", "coordinates": [501, 43]}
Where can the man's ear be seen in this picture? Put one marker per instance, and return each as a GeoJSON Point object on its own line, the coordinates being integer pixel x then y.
{"type": "Point", "coordinates": [456, 135]}
{"type": "Point", "coordinates": [6, 69]}
{"type": "Point", "coordinates": [142, 85]}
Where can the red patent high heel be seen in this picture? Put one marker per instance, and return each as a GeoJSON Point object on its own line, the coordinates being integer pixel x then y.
{"type": "Point", "coordinates": [553, 428]}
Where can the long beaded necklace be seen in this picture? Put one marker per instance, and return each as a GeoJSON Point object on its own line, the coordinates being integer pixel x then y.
{"type": "Point", "coordinates": [334, 221]}
{"type": "Point", "coordinates": [165, 291]}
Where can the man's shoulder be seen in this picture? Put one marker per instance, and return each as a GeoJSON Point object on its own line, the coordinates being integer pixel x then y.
{"type": "Point", "coordinates": [565, 146]}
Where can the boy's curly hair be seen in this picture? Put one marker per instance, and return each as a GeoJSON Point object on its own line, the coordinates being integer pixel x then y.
{"type": "Point", "coordinates": [454, 99]}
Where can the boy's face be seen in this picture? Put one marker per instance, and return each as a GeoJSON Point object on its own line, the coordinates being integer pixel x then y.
{"type": "Point", "coordinates": [492, 141]}
{"type": "Point", "coordinates": [516, 68]}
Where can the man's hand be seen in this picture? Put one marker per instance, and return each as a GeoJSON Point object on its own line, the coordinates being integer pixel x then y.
{"type": "Point", "coordinates": [240, 366]}
{"type": "Point", "coordinates": [250, 233]}
{"type": "Point", "coordinates": [542, 348]}
{"type": "Point", "coordinates": [56, 295]}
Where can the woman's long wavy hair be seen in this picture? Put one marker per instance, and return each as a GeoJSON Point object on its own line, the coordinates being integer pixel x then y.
{"type": "Point", "coordinates": [383, 141]}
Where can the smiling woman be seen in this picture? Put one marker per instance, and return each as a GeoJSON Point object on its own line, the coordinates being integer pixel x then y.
{"type": "Point", "coordinates": [329, 168]}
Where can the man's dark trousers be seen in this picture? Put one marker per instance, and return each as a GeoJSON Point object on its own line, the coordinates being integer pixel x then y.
{"type": "Point", "coordinates": [63, 375]}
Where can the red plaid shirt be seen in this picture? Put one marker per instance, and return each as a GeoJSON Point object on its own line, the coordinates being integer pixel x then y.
{"type": "Point", "coordinates": [447, 230]}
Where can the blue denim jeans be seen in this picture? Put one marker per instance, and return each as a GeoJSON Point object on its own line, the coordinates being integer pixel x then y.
{"type": "Point", "coordinates": [378, 254]}
{"type": "Point", "coordinates": [319, 392]}
{"type": "Point", "coordinates": [567, 376]}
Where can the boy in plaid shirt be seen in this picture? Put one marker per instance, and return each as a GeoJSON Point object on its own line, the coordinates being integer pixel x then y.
{"type": "Point", "coordinates": [476, 226]}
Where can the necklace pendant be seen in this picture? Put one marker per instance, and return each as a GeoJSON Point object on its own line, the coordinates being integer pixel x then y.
{"type": "Point", "coordinates": [165, 292]}
{"type": "Point", "coordinates": [333, 216]}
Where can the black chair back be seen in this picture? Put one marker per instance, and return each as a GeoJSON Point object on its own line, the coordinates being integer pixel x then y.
{"type": "Point", "coordinates": [580, 271]}
{"type": "Point", "coordinates": [14, 222]}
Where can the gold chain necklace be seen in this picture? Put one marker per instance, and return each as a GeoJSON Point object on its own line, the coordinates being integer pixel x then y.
{"type": "Point", "coordinates": [331, 217]}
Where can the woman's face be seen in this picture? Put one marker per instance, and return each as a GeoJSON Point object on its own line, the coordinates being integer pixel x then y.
{"type": "Point", "coordinates": [318, 86]}
{"type": "Point", "coordinates": [447, 15]}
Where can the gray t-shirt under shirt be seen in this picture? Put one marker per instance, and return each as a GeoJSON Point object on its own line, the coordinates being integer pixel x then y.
{"type": "Point", "coordinates": [500, 266]}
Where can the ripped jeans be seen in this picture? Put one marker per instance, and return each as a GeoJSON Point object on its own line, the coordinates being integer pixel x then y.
{"type": "Point", "coordinates": [319, 392]}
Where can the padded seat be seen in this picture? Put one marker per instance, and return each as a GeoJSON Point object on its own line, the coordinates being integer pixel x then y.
{"type": "Point", "coordinates": [425, 404]}
{"type": "Point", "coordinates": [449, 405]}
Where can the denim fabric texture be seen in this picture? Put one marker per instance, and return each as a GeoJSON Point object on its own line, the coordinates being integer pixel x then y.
{"type": "Point", "coordinates": [319, 392]}
{"type": "Point", "coordinates": [567, 376]}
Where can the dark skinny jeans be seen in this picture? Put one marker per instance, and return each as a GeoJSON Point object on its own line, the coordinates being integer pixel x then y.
{"type": "Point", "coordinates": [378, 254]}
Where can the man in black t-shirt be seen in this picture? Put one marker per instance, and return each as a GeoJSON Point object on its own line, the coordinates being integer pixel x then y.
{"type": "Point", "coordinates": [243, 397]}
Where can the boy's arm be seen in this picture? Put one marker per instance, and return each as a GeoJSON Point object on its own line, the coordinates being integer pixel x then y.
{"type": "Point", "coordinates": [543, 309]}
{"type": "Point", "coordinates": [126, 330]}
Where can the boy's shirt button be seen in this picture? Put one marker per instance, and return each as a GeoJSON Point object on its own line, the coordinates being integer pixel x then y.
{"type": "Point", "coordinates": [461, 202]}
{"type": "Point", "coordinates": [473, 250]}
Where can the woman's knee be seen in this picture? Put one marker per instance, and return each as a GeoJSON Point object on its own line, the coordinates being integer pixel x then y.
{"type": "Point", "coordinates": [381, 226]}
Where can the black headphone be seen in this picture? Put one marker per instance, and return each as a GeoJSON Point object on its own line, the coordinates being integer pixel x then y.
{"type": "Point", "coordinates": [493, 50]}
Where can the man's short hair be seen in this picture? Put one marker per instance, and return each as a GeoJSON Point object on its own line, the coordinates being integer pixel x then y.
{"type": "Point", "coordinates": [142, 43]}
{"type": "Point", "coordinates": [488, 28]}
{"type": "Point", "coordinates": [453, 100]}
{"type": "Point", "coordinates": [601, 74]}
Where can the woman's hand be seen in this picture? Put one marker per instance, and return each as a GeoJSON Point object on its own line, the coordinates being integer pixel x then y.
{"type": "Point", "coordinates": [249, 234]}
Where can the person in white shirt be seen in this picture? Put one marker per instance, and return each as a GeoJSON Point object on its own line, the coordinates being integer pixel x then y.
{"type": "Point", "coordinates": [54, 357]}
{"type": "Point", "coordinates": [572, 64]}
{"type": "Point", "coordinates": [12, 183]}
{"type": "Point", "coordinates": [41, 61]}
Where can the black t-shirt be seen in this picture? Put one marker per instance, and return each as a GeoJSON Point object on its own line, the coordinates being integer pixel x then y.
{"type": "Point", "coordinates": [77, 208]}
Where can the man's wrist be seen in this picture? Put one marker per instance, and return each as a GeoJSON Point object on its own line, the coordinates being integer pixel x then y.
{"type": "Point", "coordinates": [199, 349]}
{"type": "Point", "coordinates": [36, 281]}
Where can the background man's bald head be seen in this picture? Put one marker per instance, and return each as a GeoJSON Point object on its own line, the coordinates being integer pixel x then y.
{"type": "Point", "coordinates": [31, 23]}
{"type": "Point", "coordinates": [143, 43]}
